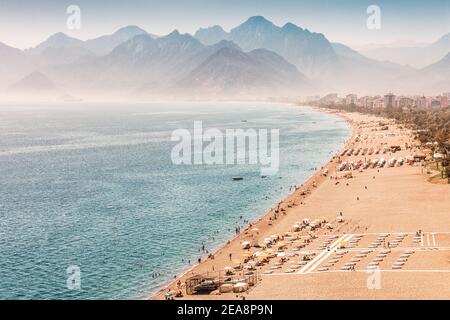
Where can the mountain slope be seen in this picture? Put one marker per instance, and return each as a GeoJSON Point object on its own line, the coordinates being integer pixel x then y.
{"type": "Point", "coordinates": [141, 64]}
{"type": "Point", "coordinates": [58, 40]}
{"type": "Point", "coordinates": [356, 72]}
{"type": "Point", "coordinates": [332, 66]}
{"type": "Point", "coordinates": [34, 85]}
{"type": "Point", "coordinates": [433, 79]}
{"type": "Point", "coordinates": [436, 76]}
{"type": "Point", "coordinates": [105, 44]}
{"type": "Point", "coordinates": [211, 35]}
{"type": "Point", "coordinates": [14, 65]}
{"type": "Point", "coordinates": [58, 49]}
{"type": "Point", "coordinates": [413, 55]}
{"type": "Point", "coordinates": [157, 60]}
{"type": "Point", "coordinates": [310, 52]}
{"type": "Point", "coordinates": [233, 73]}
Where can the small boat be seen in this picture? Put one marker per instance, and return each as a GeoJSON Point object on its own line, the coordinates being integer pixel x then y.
{"type": "Point", "coordinates": [238, 178]}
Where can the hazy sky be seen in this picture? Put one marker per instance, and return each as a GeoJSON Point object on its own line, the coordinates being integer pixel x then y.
{"type": "Point", "coordinates": [25, 23]}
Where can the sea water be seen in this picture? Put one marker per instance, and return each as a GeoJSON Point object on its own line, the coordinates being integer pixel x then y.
{"type": "Point", "coordinates": [92, 187]}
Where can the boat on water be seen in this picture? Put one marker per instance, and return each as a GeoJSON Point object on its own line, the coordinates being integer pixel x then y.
{"type": "Point", "coordinates": [237, 178]}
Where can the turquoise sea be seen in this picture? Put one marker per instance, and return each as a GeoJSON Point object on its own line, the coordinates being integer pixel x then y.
{"type": "Point", "coordinates": [93, 186]}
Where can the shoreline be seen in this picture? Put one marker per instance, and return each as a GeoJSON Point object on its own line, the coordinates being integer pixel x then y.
{"type": "Point", "coordinates": [315, 178]}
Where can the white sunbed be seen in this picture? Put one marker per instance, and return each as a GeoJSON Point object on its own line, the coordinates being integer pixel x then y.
{"type": "Point", "coordinates": [289, 271]}
{"type": "Point", "coordinates": [275, 267]}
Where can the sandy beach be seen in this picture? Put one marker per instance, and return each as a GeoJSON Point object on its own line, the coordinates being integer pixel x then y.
{"type": "Point", "coordinates": [381, 232]}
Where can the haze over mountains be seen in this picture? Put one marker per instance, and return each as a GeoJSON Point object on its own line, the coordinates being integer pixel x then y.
{"type": "Point", "coordinates": [256, 59]}
{"type": "Point", "coordinates": [415, 56]}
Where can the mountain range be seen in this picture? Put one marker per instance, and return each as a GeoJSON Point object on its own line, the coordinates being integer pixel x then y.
{"type": "Point", "coordinates": [254, 59]}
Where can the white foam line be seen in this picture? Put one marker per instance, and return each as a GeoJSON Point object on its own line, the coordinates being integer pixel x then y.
{"type": "Point", "coordinates": [421, 239]}
{"type": "Point", "coordinates": [428, 239]}
{"type": "Point", "coordinates": [434, 239]}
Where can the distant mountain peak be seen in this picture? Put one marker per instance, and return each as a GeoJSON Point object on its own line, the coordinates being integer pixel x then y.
{"type": "Point", "coordinates": [226, 51]}
{"type": "Point", "coordinates": [57, 40]}
{"type": "Point", "coordinates": [211, 35]}
{"type": "Point", "coordinates": [35, 81]}
{"type": "Point", "coordinates": [291, 26]}
{"type": "Point", "coordinates": [58, 35]}
{"type": "Point", "coordinates": [129, 30]}
{"type": "Point", "coordinates": [445, 37]}
{"type": "Point", "coordinates": [61, 36]}
{"type": "Point", "coordinates": [212, 28]}
{"type": "Point", "coordinates": [226, 44]}
{"type": "Point", "coordinates": [174, 33]}
{"type": "Point", "coordinates": [6, 47]}
{"type": "Point", "coordinates": [258, 20]}
{"type": "Point", "coordinates": [177, 37]}
{"type": "Point", "coordinates": [255, 23]}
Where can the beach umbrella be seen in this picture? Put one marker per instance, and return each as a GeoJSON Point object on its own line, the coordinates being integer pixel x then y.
{"type": "Point", "coordinates": [240, 287]}
{"type": "Point", "coordinates": [258, 253]}
{"type": "Point", "coordinates": [246, 244]}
